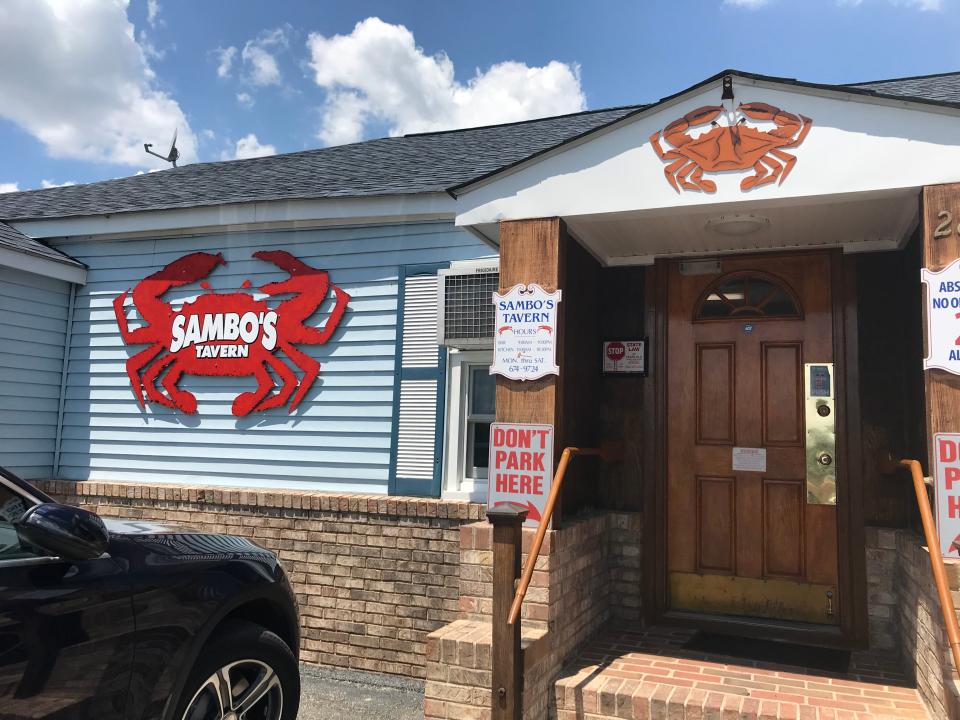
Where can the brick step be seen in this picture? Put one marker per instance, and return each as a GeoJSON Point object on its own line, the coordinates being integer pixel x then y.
{"type": "Point", "coordinates": [635, 676]}
{"type": "Point", "coordinates": [459, 671]}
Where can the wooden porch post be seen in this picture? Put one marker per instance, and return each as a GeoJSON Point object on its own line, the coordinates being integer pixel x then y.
{"type": "Point", "coordinates": [942, 389]}
{"type": "Point", "coordinates": [506, 700]}
{"type": "Point", "coordinates": [532, 251]}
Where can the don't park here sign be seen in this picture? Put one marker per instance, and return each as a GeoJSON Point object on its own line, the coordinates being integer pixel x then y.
{"type": "Point", "coordinates": [521, 467]}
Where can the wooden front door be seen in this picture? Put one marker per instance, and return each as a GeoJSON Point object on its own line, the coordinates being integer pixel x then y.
{"type": "Point", "coordinates": [745, 537]}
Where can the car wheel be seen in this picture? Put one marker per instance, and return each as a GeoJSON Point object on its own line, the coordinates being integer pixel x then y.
{"type": "Point", "coordinates": [245, 672]}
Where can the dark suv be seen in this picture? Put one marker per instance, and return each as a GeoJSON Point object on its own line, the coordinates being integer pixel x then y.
{"type": "Point", "coordinates": [134, 620]}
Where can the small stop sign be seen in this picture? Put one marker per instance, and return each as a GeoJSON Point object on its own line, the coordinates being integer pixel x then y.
{"type": "Point", "coordinates": [616, 351]}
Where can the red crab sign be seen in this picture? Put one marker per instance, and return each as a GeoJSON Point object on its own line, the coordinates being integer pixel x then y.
{"type": "Point", "coordinates": [227, 334]}
{"type": "Point", "coordinates": [737, 146]}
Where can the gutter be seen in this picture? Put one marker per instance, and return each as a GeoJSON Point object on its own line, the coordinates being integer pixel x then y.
{"type": "Point", "coordinates": [68, 341]}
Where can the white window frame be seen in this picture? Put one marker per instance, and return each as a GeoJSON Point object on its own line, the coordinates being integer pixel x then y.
{"type": "Point", "coordinates": [456, 484]}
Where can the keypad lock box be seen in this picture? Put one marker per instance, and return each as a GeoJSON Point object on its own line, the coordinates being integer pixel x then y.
{"type": "Point", "coordinates": [821, 436]}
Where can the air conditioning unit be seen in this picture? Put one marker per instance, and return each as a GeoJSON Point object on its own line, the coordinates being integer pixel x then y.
{"type": "Point", "coordinates": [465, 295]}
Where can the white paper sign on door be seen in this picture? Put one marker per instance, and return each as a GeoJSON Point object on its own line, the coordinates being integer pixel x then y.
{"type": "Point", "coordinates": [946, 453]}
{"type": "Point", "coordinates": [943, 318]}
{"type": "Point", "coordinates": [750, 459]}
{"type": "Point", "coordinates": [525, 338]}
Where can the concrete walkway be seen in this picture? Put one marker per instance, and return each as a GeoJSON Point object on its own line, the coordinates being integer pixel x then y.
{"type": "Point", "coordinates": [332, 694]}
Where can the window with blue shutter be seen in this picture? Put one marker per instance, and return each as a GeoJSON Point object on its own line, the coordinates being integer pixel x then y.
{"type": "Point", "coordinates": [418, 402]}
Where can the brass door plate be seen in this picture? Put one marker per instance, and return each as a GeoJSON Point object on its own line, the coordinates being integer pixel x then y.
{"type": "Point", "coordinates": [820, 415]}
{"type": "Point", "coordinates": [755, 597]}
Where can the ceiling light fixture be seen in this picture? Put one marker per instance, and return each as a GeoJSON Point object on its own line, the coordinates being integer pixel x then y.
{"type": "Point", "coordinates": [736, 225]}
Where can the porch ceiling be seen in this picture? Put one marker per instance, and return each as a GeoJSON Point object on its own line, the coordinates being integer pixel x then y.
{"type": "Point", "coordinates": [879, 221]}
{"type": "Point", "coordinates": [856, 222]}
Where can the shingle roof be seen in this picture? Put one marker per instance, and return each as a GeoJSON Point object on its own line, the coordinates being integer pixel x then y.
{"type": "Point", "coordinates": [944, 87]}
{"type": "Point", "coordinates": [429, 162]}
{"type": "Point", "coordinates": [12, 239]}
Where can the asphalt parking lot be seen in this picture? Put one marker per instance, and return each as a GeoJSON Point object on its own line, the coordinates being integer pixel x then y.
{"type": "Point", "coordinates": [331, 694]}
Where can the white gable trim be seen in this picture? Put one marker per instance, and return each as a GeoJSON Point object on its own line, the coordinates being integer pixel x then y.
{"type": "Point", "coordinates": [40, 265]}
{"type": "Point", "coordinates": [858, 145]}
{"type": "Point", "coordinates": [740, 82]}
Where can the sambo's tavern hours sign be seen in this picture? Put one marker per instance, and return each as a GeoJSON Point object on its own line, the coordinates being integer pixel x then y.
{"type": "Point", "coordinates": [943, 318]}
{"type": "Point", "coordinates": [227, 334]}
{"type": "Point", "coordinates": [525, 333]}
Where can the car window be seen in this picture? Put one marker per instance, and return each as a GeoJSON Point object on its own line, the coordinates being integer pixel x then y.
{"type": "Point", "coordinates": [12, 508]}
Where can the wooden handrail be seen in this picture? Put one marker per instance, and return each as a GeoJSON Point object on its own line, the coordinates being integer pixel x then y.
{"type": "Point", "coordinates": [936, 560]}
{"type": "Point", "coordinates": [524, 582]}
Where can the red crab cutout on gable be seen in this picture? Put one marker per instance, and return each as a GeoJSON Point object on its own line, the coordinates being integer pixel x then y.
{"type": "Point", "coordinates": [227, 334]}
{"type": "Point", "coordinates": [730, 147]}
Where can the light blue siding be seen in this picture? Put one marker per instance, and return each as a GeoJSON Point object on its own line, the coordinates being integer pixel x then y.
{"type": "Point", "coordinates": [339, 439]}
{"type": "Point", "coordinates": [33, 330]}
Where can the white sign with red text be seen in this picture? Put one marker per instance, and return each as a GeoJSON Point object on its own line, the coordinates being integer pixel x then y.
{"type": "Point", "coordinates": [521, 467]}
{"type": "Point", "coordinates": [624, 356]}
{"type": "Point", "coordinates": [525, 339]}
{"type": "Point", "coordinates": [943, 318]}
{"type": "Point", "coordinates": [946, 454]}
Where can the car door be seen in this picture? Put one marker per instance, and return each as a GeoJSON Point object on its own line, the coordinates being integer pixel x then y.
{"type": "Point", "coordinates": [66, 628]}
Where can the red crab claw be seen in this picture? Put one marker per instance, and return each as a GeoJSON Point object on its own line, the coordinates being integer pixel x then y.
{"type": "Point", "coordinates": [296, 268]}
{"type": "Point", "coordinates": [181, 271]}
{"type": "Point", "coordinates": [310, 287]}
{"type": "Point", "coordinates": [760, 111]}
{"type": "Point", "coordinates": [147, 300]}
{"type": "Point", "coordinates": [188, 269]}
{"type": "Point", "coordinates": [771, 113]}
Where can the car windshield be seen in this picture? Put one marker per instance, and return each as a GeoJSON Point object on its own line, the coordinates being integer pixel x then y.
{"type": "Point", "coordinates": [12, 508]}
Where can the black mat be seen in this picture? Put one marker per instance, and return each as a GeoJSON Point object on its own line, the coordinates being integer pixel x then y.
{"type": "Point", "coordinates": [804, 656]}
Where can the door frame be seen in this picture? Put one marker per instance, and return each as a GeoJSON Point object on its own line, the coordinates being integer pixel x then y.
{"type": "Point", "coordinates": [851, 548]}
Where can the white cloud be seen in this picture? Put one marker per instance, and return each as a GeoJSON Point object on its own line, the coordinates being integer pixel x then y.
{"type": "Point", "coordinates": [153, 12]}
{"type": "Point", "coordinates": [378, 73]}
{"type": "Point", "coordinates": [249, 147]}
{"type": "Point", "coordinates": [343, 118]}
{"type": "Point", "coordinates": [752, 4]}
{"type": "Point", "coordinates": [225, 58]}
{"type": "Point", "coordinates": [923, 5]}
{"type": "Point", "coordinates": [259, 57]}
{"type": "Point", "coordinates": [245, 99]}
{"type": "Point", "coordinates": [45, 184]}
{"type": "Point", "coordinates": [83, 85]}
{"type": "Point", "coordinates": [148, 48]}
{"type": "Point", "coordinates": [9, 187]}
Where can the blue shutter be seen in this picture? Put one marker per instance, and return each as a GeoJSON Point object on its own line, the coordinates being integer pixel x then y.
{"type": "Point", "coordinates": [416, 459]}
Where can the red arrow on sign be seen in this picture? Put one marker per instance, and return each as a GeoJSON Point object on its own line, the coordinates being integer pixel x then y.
{"type": "Point", "coordinates": [532, 512]}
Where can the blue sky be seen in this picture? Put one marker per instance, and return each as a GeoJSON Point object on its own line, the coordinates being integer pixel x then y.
{"type": "Point", "coordinates": [85, 82]}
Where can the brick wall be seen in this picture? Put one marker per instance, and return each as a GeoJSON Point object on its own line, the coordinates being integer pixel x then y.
{"type": "Point", "coordinates": [905, 614]}
{"type": "Point", "coordinates": [923, 634]}
{"type": "Point", "coordinates": [882, 590]}
{"type": "Point", "coordinates": [626, 556]}
{"type": "Point", "coordinates": [373, 575]}
{"type": "Point", "coordinates": [584, 569]}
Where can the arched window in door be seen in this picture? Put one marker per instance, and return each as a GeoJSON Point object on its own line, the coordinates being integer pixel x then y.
{"type": "Point", "coordinates": [747, 294]}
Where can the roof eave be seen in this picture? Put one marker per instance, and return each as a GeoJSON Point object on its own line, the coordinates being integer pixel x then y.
{"type": "Point", "coordinates": [67, 270]}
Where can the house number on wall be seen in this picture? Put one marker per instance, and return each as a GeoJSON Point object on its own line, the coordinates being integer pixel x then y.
{"type": "Point", "coordinates": [945, 228]}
